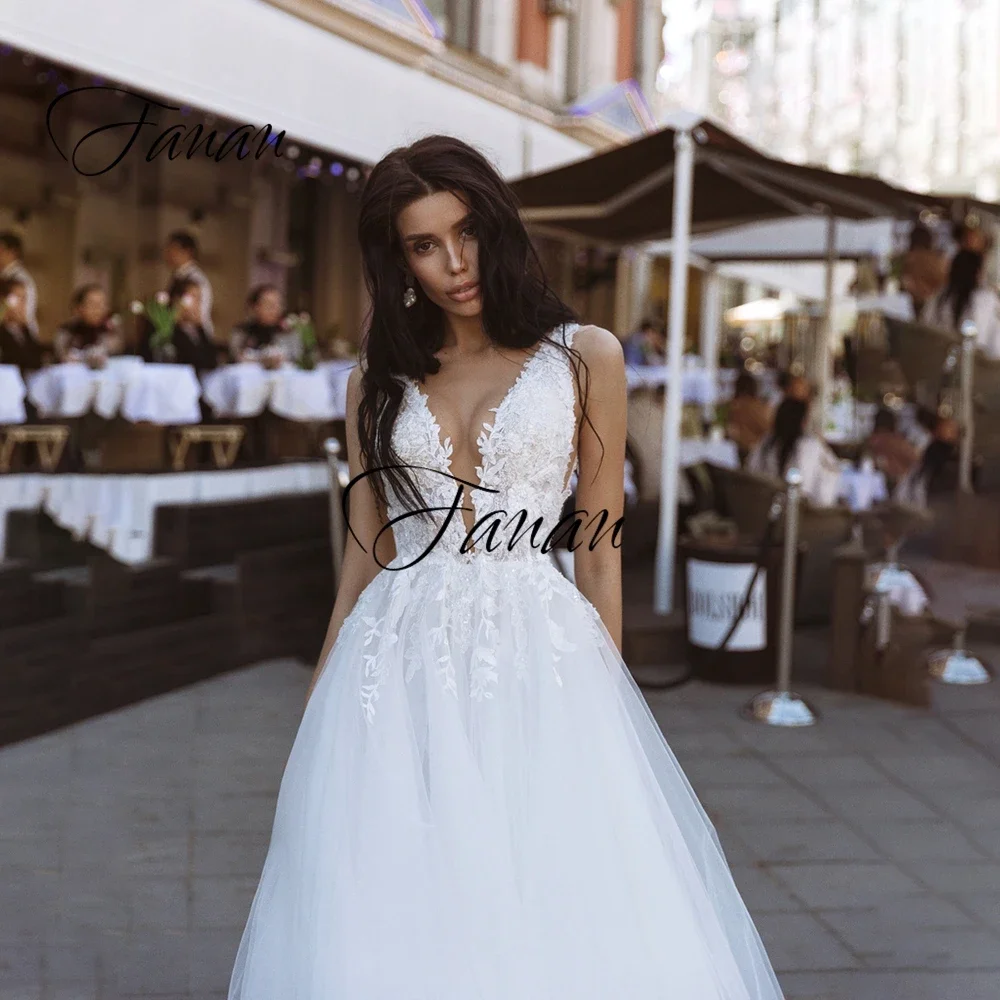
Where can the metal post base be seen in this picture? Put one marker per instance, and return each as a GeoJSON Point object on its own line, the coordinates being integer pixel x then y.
{"type": "Point", "coordinates": [780, 708]}
{"type": "Point", "coordinates": [956, 666]}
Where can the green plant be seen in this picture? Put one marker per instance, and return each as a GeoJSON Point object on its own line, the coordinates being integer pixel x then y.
{"type": "Point", "coordinates": [302, 324]}
{"type": "Point", "coordinates": [161, 315]}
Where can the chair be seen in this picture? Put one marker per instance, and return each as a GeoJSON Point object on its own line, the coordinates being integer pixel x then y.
{"type": "Point", "coordinates": [49, 439]}
{"type": "Point", "coordinates": [921, 352]}
{"type": "Point", "coordinates": [225, 440]}
{"type": "Point", "coordinates": [746, 498]}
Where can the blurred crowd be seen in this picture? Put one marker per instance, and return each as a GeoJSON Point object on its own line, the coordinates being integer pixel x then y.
{"type": "Point", "coordinates": [92, 332]}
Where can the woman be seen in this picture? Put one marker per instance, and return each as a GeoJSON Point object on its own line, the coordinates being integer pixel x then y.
{"type": "Point", "coordinates": [191, 343]}
{"type": "Point", "coordinates": [749, 417]}
{"type": "Point", "coordinates": [790, 446]}
{"type": "Point", "coordinates": [478, 802]}
{"type": "Point", "coordinates": [92, 326]}
{"type": "Point", "coordinates": [17, 344]}
{"type": "Point", "coordinates": [966, 298]}
{"type": "Point", "coordinates": [264, 328]}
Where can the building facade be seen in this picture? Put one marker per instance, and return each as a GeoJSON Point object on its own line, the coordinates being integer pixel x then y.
{"type": "Point", "coordinates": [906, 89]}
{"type": "Point", "coordinates": [532, 83]}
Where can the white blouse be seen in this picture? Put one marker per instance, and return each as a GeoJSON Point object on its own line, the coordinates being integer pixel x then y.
{"type": "Point", "coordinates": [983, 309]}
{"type": "Point", "coordinates": [819, 466]}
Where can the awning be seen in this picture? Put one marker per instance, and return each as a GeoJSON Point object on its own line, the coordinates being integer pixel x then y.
{"type": "Point", "coordinates": [802, 239]}
{"type": "Point", "coordinates": [624, 196]}
{"type": "Point", "coordinates": [253, 63]}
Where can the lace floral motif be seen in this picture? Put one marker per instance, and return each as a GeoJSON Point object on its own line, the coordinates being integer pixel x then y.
{"type": "Point", "coordinates": [525, 454]}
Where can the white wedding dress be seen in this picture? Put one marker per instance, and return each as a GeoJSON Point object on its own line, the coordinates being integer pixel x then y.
{"type": "Point", "coordinates": [479, 804]}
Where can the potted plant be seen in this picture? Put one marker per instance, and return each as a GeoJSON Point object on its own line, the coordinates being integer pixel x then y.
{"type": "Point", "coordinates": [163, 318]}
{"type": "Point", "coordinates": [302, 325]}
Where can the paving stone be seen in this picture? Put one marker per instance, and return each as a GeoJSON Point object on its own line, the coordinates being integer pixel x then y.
{"type": "Point", "coordinates": [761, 892]}
{"type": "Point", "coordinates": [805, 840]}
{"type": "Point", "coordinates": [924, 840]}
{"type": "Point", "coordinates": [865, 804]}
{"type": "Point", "coordinates": [838, 769]}
{"type": "Point", "coordinates": [797, 941]}
{"type": "Point", "coordinates": [764, 802]}
{"type": "Point", "coordinates": [840, 884]}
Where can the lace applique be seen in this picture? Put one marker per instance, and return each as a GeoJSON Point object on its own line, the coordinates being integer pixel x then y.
{"type": "Point", "coordinates": [525, 456]}
{"type": "Point", "coordinates": [382, 637]}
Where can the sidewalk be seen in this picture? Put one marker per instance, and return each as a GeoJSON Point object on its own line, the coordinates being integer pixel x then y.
{"type": "Point", "coordinates": [867, 848]}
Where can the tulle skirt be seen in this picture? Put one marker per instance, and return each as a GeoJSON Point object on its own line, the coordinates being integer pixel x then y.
{"type": "Point", "coordinates": [479, 805]}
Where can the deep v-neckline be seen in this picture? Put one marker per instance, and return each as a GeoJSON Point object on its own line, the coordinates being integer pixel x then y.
{"type": "Point", "coordinates": [445, 448]}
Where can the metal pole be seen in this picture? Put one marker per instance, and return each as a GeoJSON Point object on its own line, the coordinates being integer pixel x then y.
{"type": "Point", "coordinates": [780, 707]}
{"type": "Point", "coordinates": [711, 315]}
{"type": "Point", "coordinates": [669, 467]}
{"type": "Point", "coordinates": [969, 337]}
{"type": "Point", "coordinates": [332, 448]}
{"type": "Point", "coordinates": [786, 633]}
{"type": "Point", "coordinates": [824, 349]}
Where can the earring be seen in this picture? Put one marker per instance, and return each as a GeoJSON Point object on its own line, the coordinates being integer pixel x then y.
{"type": "Point", "coordinates": [409, 297]}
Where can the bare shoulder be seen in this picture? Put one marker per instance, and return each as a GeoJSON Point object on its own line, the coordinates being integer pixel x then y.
{"type": "Point", "coordinates": [602, 353]}
{"type": "Point", "coordinates": [598, 346]}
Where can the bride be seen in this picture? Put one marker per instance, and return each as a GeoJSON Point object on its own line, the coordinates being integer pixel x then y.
{"type": "Point", "coordinates": [479, 804]}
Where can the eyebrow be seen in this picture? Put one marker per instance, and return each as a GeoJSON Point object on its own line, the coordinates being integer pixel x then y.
{"type": "Point", "coordinates": [427, 236]}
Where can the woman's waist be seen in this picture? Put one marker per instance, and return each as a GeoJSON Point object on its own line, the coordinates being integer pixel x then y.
{"type": "Point", "coordinates": [480, 559]}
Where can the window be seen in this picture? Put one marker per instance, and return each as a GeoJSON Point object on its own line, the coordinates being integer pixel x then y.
{"type": "Point", "coordinates": [458, 21]}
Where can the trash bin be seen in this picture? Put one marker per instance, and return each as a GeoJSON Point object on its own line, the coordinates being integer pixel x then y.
{"type": "Point", "coordinates": [715, 577]}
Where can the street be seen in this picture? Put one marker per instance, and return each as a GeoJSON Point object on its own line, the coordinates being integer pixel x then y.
{"type": "Point", "coordinates": [867, 848]}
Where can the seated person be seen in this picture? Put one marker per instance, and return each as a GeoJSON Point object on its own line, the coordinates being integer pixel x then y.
{"type": "Point", "coordinates": [264, 328]}
{"type": "Point", "coordinates": [192, 344]}
{"type": "Point", "coordinates": [92, 326]}
{"type": "Point", "coordinates": [790, 445]}
{"type": "Point", "coordinates": [929, 475]}
{"type": "Point", "coordinates": [749, 417]}
{"type": "Point", "coordinates": [798, 387]}
{"type": "Point", "coordinates": [647, 346]}
{"type": "Point", "coordinates": [18, 345]}
{"type": "Point", "coordinates": [892, 453]}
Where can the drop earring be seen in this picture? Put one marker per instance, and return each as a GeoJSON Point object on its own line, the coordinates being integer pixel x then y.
{"type": "Point", "coordinates": [409, 296]}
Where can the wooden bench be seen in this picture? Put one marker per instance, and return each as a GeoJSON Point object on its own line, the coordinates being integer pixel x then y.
{"type": "Point", "coordinates": [225, 440]}
{"type": "Point", "coordinates": [49, 439]}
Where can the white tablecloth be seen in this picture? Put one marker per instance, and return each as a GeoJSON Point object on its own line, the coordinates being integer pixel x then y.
{"type": "Point", "coordinates": [65, 391]}
{"type": "Point", "coordinates": [862, 488]}
{"type": "Point", "coordinates": [245, 390]}
{"type": "Point", "coordinates": [116, 513]}
{"type": "Point", "coordinates": [697, 384]}
{"type": "Point", "coordinates": [12, 393]}
{"type": "Point", "coordinates": [127, 387]}
{"type": "Point", "coordinates": [695, 450]}
{"type": "Point", "coordinates": [338, 372]}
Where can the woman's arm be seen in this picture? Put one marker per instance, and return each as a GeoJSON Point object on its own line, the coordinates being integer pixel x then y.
{"type": "Point", "coordinates": [597, 563]}
{"type": "Point", "coordinates": [366, 521]}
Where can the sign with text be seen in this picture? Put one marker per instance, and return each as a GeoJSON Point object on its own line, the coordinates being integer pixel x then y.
{"type": "Point", "coordinates": [715, 596]}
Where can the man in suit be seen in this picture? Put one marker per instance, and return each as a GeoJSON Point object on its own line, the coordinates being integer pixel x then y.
{"type": "Point", "coordinates": [12, 269]}
{"type": "Point", "coordinates": [181, 255]}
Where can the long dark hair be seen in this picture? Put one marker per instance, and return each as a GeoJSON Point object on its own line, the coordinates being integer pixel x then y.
{"type": "Point", "coordinates": [963, 279]}
{"type": "Point", "coordinates": [789, 426]}
{"type": "Point", "coordinates": [519, 308]}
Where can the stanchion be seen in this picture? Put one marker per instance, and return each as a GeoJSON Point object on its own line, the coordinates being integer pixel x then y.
{"type": "Point", "coordinates": [781, 707]}
{"type": "Point", "coordinates": [969, 337]}
{"type": "Point", "coordinates": [958, 665]}
{"type": "Point", "coordinates": [332, 448]}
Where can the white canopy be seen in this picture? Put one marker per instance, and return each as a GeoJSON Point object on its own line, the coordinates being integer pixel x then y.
{"type": "Point", "coordinates": [795, 239]}
{"type": "Point", "coordinates": [256, 64]}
